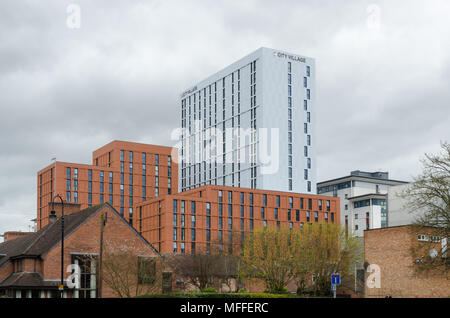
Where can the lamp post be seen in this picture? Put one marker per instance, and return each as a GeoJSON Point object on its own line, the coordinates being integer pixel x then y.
{"type": "Point", "coordinates": [103, 220]}
{"type": "Point", "coordinates": [61, 286]}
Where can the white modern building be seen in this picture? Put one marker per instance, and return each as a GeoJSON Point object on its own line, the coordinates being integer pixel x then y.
{"type": "Point", "coordinates": [364, 200]}
{"type": "Point", "coordinates": [252, 125]}
{"type": "Point", "coordinates": [400, 213]}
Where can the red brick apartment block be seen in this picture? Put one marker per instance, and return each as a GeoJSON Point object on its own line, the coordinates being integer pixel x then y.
{"type": "Point", "coordinates": [190, 221]}
{"type": "Point", "coordinates": [390, 249]}
{"type": "Point", "coordinates": [30, 266]}
{"type": "Point", "coordinates": [122, 174]}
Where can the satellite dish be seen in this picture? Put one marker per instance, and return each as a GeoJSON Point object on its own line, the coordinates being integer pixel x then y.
{"type": "Point", "coordinates": [433, 253]}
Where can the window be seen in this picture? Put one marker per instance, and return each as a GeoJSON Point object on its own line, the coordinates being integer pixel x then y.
{"type": "Point", "coordinates": [276, 213]}
{"type": "Point", "coordinates": [422, 237]}
{"type": "Point", "coordinates": [208, 208]}
{"type": "Point", "coordinates": [220, 196]}
{"type": "Point", "coordinates": [242, 197]}
{"type": "Point", "coordinates": [262, 213]}
{"type": "Point", "coordinates": [75, 197]}
{"type": "Point", "coordinates": [102, 175]}
{"type": "Point", "coordinates": [146, 270]}
{"type": "Point", "coordinates": [297, 215]}
{"type": "Point", "coordinates": [308, 94]}
{"type": "Point", "coordinates": [192, 220]}
{"type": "Point", "coordinates": [316, 216]}
{"type": "Point", "coordinates": [175, 205]}
{"type": "Point", "coordinates": [308, 70]}
{"type": "Point", "coordinates": [157, 159]}
{"type": "Point", "coordinates": [208, 221]}
{"type": "Point", "coordinates": [230, 197]}
{"type": "Point", "coordinates": [68, 173]}
{"type": "Point", "coordinates": [121, 155]}
{"type": "Point", "coordinates": [68, 196]}
{"type": "Point", "coordinates": [75, 173]}
{"type": "Point", "coordinates": [305, 82]}
{"type": "Point", "coordinates": [175, 220]}
{"type": "Point", "coordinates": [193, 207]}
{"type": "Point", "coordinates": [87, 276]}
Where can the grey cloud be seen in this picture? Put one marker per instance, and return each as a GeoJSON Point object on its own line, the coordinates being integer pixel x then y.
{"type": "Point", "coordinates": [382, 95]}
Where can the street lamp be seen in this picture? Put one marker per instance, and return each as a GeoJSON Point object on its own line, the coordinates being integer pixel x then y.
{"type": "Point", "coordinates": [53, 214]}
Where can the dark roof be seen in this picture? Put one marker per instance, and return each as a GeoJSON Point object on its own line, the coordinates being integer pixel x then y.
{"type": "Point", "coordinates": [37, 243]}
{"type": "Point", "coordinates": [356, 177]}
{"type": "Point", "coordinates": [381, 195]}
{"type": "Point", "coordinates": [27, 279]}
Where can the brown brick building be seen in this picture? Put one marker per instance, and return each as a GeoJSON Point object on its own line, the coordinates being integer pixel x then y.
{"type": "Point", "coordinates": [30, 265]}
{"type": "Point", "coordinates": [390, 249]}
{"type": "Point", "coordinates": [190, 221]}
{"type": "Point", "coordinates": [122, 174]}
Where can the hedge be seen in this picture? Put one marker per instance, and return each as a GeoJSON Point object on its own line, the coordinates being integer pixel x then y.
{"type": "Point", "coordinates": [219, 295]}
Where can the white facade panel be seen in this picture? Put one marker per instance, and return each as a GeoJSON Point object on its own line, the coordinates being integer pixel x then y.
{"type": "Point", "coordinates": [266, 90]}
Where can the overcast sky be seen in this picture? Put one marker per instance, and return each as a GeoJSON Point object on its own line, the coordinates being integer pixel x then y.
{"type": "Point", "coordinates": [383, 78]}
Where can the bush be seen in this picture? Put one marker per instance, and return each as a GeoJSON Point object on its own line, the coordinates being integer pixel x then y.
{"type": "Point", "coordinates": [219, 295]}
{"type": "Point", "coordinates": [281, 291]}
{"type": "Point", "coordinates": [209, 290]}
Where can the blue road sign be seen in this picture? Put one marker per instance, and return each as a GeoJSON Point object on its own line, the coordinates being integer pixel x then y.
{"type": "Point", "coordinates": [336, 279]}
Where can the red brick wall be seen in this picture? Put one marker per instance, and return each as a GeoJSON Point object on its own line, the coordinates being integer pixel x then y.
{"type": "Point", "coordinates": [52, 179]}
{"type": "Point", "coordinates": [389, 248]}
{"type": "Point", "coordinates": [86, 240]}
{"type": "Point", "coordinates": [150, 226]}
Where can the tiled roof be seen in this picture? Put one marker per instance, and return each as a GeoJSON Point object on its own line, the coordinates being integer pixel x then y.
{"type": "Point", "coordinates": [36, 244]}
{"type": "Point", "coordinates": [27, 279]}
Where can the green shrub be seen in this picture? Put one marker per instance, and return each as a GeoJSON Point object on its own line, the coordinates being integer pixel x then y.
{"type": "Point", "coordinates": [219, 295]}
{"type": "Point", "coordinates": [280, 291]}
{"type": "Point", "coordinates": [209, 290]}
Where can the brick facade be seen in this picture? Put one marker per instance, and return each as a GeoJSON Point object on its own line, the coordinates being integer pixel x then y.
{"type": "Point", "coordinates": [390, 249]}
{"type": "Point", "coordinates": [83, 240]}
{"type": "Point", "coordinates": [156, 220]}
{"type": "Point", "coordinates": [117, 176]}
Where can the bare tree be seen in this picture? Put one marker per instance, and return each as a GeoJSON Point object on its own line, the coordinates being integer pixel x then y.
{"type": "Point", "coordinates": [429, 194]}
{"type": "Point", "coordinates": [197, 268]}
{"type": "Point", "coordinates": [129, 275]}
